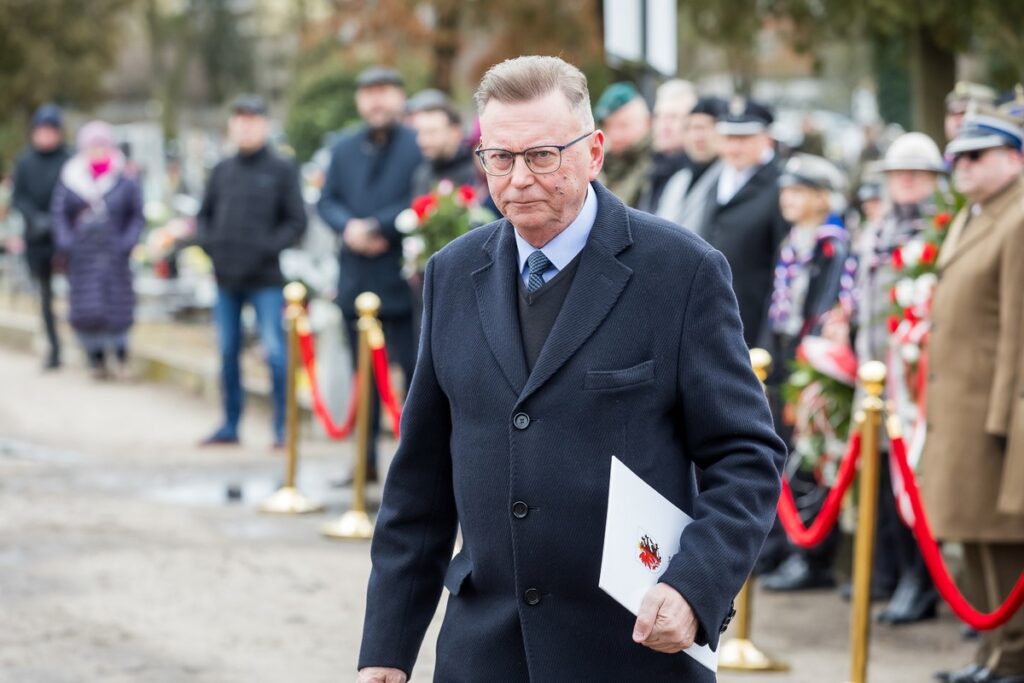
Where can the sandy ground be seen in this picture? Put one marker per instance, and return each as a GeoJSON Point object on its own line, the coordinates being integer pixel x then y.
{"type": "Point", "coordinates": [121, 559]}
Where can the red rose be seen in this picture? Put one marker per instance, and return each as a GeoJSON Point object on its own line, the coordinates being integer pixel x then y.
{"type": "Point", "coordinates": [911, 316]}
{"type": "Point", "coordinates": [894, 322]}
{"type": "Point", "coordinates": [892, 295]}
{"type": "Point", "coordinates": [942, 220]}
{"type": "Point", "coordinates": [828, 249]}
{"type": "Point", "coordinates": [897, 258]}
{"type": "Point", "coordinates": [467, 194]}
{"type": "Point", "coordinates": [423, 205]}
{"type": "Point", "coordinates": [929, 253]}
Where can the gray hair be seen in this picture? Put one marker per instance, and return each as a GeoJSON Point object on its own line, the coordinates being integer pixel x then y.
{"type": "Point", "coordinates": [677, 89]}
{"type": "Point", "coordinates": [523, 79]}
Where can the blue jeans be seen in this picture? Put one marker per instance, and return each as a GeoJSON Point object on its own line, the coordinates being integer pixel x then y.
{"type": "Point", "coordinates": [269, 305]}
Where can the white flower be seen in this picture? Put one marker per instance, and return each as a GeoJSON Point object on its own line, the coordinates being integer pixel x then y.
{"type": "Point", "coordinates": [912, 253]}
{"type": "Point", "coordinates": [905, 293]}
{"type": "Point", "coordinates": [925, 286]}
{"type": "Point", "coordinates": [911, 353]}
{"type": "Point", "coordinates": [445, 187]}
{"type": "Point", "coordinates": [412, 247]}
{"type": "Point", "coordinates": [407, 222]}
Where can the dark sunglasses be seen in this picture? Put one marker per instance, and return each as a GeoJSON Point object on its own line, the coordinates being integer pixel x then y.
{"type": "Point", "coordinates": [971, 156]}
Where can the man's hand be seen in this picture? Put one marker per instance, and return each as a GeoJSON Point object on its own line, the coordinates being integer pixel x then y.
{"type": "Point", "coordinates": [666, 622]}
{"type": "Point", "coordinates": [361, 237]}
{"type": "Point", "coordinates": [376, 674]}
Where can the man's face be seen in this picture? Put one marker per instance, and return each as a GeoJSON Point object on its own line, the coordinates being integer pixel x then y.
{"type": "Point", "coordinates": [627, 126]}
{"type": "Point", "coordinates": [380, 106]}
{"type": "Point", "coordinates": [744, 151]}
{"type": "Point", "coordinates": [46, 138]}
{"type": "Point", "coordinates": [669, 124]}
{"type": "Point", "coordinates": [980, 178]}
{"type": "Point", "coordinates": [248, 131]}
{"type": "Point", "coordinates": [541, 205]}
{"type": "Point", "coordinates": [437, 137]}
{"type": "Point", "coordinates": [910, 187]}
{"type": "Point", "coordinates": [952, 123]}
{"type": "Point", "coordinates": [700, 140]}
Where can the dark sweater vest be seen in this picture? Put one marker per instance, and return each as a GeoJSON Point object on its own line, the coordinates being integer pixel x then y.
{"type": "Point", "coordinates": [538, 310]}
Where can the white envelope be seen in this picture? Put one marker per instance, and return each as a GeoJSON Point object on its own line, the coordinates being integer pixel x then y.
{"type": "Point", "coordinates": [641, 535]}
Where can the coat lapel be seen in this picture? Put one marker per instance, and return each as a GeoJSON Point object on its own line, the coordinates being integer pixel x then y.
{"type": "Point", "coordinates": [496, 292]}
{"type": "Point", "coordinates": [599, 281]}
{"type": "Point", "coordinates": [981, 226]}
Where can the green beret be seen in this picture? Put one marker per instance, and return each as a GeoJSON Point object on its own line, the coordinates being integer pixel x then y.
{"type": "Point", "coordinates": [615, 96]}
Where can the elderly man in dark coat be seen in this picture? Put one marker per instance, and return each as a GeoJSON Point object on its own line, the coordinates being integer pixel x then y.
{"type": "Point", "coordinates": [744, 221]}
{"type": "Point", "coordinates": [572, 331]}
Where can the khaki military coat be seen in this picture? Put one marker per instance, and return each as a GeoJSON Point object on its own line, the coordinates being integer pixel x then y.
{"type": "Point", "coordinates": [973, 462]}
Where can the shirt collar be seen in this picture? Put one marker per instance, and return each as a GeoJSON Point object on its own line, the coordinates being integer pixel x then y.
{"type": "Point", "coordinates": [567, 244]}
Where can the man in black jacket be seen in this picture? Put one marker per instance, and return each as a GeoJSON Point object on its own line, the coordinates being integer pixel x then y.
{"type": "Point", "coordinates": [744, 220]}
{"type": "Point", "coordinates": [446, 156]}
{"type": "Point", "coordinates": [251, 212]}
{"type": "Point", "coordinates": [368, 183]}
{"type": "Point", "coordinates": [35, 175]}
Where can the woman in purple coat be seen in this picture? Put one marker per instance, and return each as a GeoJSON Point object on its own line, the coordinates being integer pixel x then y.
{"type": "Point", "coordinates": [97, 219]}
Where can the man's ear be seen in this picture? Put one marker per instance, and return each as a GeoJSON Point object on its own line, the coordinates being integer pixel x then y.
{"type": "Point", "coordinates": [596, 150]}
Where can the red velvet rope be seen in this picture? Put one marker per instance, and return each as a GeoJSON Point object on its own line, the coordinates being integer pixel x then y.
{"type": "Point", "coordinates": [387, 394]}
{"type": "Point", "coordinates": [936, 565]}
{"type": "Point", "coordinates": [808, 537]}
{"type": "Point", "coordinates": [334, 431]}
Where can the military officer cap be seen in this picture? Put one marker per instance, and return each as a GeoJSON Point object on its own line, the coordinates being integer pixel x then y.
{"type": "Point", "coordinates": [379, 75]}
{"type": "Point", "coordinates": [744, 117]}
{"type": "Point", "coordinates": [985, 130]}
{"type": "Point", "coordinates": [813, 171]}
{"type": "Point", "coordinates": [965, 93]}
{"type": "Point", "coordinates": [614, 98]}
{"type": "Point", "coordinates": [710, 106]}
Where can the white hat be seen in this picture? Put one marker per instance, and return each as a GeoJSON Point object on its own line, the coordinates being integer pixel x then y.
{"type": "Point", "coordinates": [914, 152]}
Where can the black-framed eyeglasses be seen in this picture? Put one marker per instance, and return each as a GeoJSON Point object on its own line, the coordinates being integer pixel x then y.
{"type": "Point", "coordinates": [541, 159]}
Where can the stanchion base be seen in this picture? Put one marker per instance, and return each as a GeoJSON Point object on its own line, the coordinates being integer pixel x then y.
{"type": "Point", "coordinates": [739, 654]}
{"type": "Point", "coordinates": [353, 525]}
{"type": "Point", "coordinates": [288, 500]}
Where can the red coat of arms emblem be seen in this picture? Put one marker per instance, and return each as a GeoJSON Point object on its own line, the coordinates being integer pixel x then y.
{"type": "Point", "coordinates": [649, 554]}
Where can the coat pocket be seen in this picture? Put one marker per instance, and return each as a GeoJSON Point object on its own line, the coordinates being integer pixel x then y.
{"type": "Point", "coordinates": [615, 379]}
{"type": "Point", "coordinates": [458, 571]}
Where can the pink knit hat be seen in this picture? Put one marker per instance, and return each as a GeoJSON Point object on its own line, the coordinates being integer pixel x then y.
{"type": "Point", "coordinates": [95, 134]}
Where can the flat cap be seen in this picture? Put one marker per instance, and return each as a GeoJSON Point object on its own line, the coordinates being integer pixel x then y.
{"type": "Point", "coordinates": [379, 75]}
{"type": "Point", "coordinates": [253, 105]}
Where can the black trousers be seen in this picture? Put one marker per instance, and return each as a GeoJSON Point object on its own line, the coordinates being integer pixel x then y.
{"type": "Point", "coordinates": [40, 265]}
{"type": "Point", "coordinates": [399, 339]}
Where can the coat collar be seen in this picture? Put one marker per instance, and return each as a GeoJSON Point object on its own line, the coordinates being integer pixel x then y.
{"type": "Point", "coordinates": [598, 283]}
{"type": "Point", "coordinates": [761, 176]}
{"type": "Point", "coordinates": [963, 238]}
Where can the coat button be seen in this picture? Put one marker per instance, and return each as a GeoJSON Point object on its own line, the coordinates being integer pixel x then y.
{"type": "Point", "coordinates": [532, 596]}
{"type": "Point", "coordinates": [520, 509]}
{"type": "Point", "coordinates": [521, 421]}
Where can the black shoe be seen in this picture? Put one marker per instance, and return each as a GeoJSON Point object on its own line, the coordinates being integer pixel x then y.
{"type": "Point", "coordinates": [989, 676]}
{"type": "Point", "coordinates": [221, 437]}
{"type": "Point", "coordinates": [347, 480]}
{"type": "Point", "coordinates": [915, 600]}
{"type": "Point", "coordinates": [964, 675]}
{"type": "Point", "coordinates": [52, 363]}
{"type": "Point", "coordinates": [968, 633]}
{"type": "Point", "coordinates": [795, 574]}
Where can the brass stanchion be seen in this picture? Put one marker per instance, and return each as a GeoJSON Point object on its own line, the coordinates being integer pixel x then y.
{"type": "Point", "coordinates": [355, 524]}
{"type": "Point", "coordinates": [873, 376]}
{"type": "Point", "coordinates": [288, 499]}
{"type": "Point", "coordinates": [740, 653]}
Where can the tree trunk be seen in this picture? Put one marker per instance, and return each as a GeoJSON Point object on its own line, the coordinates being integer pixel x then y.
{"type": "Point", "coordinates": [445, 47]}
{"type": "Point", "coordinates": [932, 76]}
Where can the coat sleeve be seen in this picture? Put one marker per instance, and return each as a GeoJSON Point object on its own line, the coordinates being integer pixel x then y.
{"type": "Point", "coordinates": [292, 218]}
{"type": "Point", "coordinates": [415, 531]}
{"type": "Point", "coordinates": [204, 219]}
{"type": "Point", "coordinates": [332, 206]}
{"type": "Point", "coordinates": [728, 434]}
{"type": "Point", "coordinates": [63, 234]}
{"type": "Point", "coordinates": [136, 219]}
{"type": "Point", "coordinates": [20, 199]}
{"type": "Point", "coordinates": [1009, 343]}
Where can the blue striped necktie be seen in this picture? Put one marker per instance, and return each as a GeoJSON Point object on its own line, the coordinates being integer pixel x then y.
{"type": "Point", "coordinates": [537, 263]}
